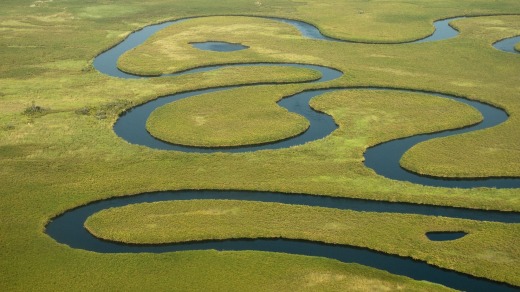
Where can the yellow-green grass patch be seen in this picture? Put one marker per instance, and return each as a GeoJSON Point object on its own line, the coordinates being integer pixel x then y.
{"type": "Point", "coordinates": [173, 45]}
{"type": "Point", "coordinates": [383, 21]}
{"type": "Point", "coordinates": [463, 72]}
{"type": "Point", "coordinates": [372, 116]}
{"type": "Point", "coordinates": [225, 119]}
{"type": "Point", "coordinates": [167, 222]}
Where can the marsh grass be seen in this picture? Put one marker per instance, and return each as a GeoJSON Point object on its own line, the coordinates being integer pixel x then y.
{"type": "Point", "coordinates": [195, 220]}
{"type": "Point", "coordinates": [489, 152]}
{"type": "Point", "coordinates": [226, 119]}
{"type": "Point", "coordinates": [479, 154]}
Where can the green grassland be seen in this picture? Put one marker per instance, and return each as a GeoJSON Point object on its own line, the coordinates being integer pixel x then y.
{"type": "Point", "coordinates": [58, 149]}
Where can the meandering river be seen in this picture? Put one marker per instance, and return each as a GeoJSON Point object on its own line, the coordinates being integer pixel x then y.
{"type": "Point", "coordinates": [384, 159]}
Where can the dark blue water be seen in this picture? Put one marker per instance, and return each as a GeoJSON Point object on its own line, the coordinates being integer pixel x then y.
{"type": "Point", "coordinates": [384, 158]}
{"type": "Point", "coordinates": [219, 46]}
{"type": "Point", "coordinates": [508, 45]}
{"type": "Point", "coordinates": [443, 31]}
{"type": "Point", "coordinates": [68, 228]}
{"type": "Point", "coordinates": [106, 62]}
{"type": "Point", "coordinates": [445, 235]}
{"type": "Point", "coordinates": [307, 30]}
{"type": "Point", "coordinates": [131, 126]}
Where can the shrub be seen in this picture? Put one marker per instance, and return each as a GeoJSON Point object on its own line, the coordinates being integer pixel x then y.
{"type": "Point", "coordinates": [34, 110]}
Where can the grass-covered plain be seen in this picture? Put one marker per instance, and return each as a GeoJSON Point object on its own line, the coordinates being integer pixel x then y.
{"type": "Point", "coordinates": [68, 155]}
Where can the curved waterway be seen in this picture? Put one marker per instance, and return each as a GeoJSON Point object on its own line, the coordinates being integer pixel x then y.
{"type": "Point", "coordinates": [443, 31]}
{"type": "Point", "coordinates": [508, 45]}
{"type": "Point", "coordinates": [383, 158]}
{"type": "Point", "coordinates": [68, 227]}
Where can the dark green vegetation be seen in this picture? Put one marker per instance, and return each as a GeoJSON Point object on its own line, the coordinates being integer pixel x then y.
{"type": "Point", "coordinates": [68, 155]}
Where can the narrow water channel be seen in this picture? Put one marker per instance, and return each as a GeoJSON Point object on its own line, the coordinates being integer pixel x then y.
{"type": "Point", "coordinates": [68, 227]}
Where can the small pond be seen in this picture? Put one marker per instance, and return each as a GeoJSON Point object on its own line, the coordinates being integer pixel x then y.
{"type": "Point", "coordinates": [445, 235]}
{"type": "Point", "coordinates": [508, 45]}
{"type": "Point", "coordinates": [219, 46]}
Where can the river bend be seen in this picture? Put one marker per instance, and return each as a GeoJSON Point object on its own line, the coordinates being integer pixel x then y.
{"type": "Point", "coordinates": [68, 227]}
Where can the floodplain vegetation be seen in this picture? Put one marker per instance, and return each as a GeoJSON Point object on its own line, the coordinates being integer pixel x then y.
{"type": "Point", "coordinates": [172, 222]}
{"type": "Point", "coordinates": [205, 120]}
{"type": "Point", "coordinates": [469, 75]}
{"type": "Point", "coordinates": [58, 149]}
